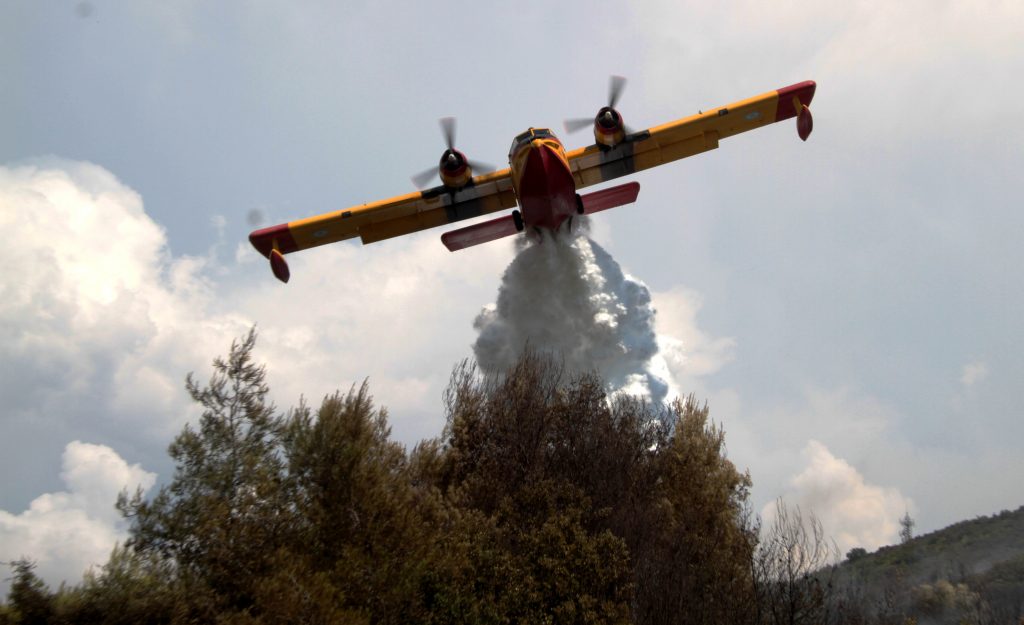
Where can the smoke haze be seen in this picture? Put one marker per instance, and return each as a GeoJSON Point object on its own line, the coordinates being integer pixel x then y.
{"type": "Point", "coordinates": [567, 296]}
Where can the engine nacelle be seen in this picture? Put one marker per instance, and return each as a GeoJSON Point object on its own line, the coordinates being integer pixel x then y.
{"type": "Point", "coordinates": [454, 169]}
{"type": "Point", "coordinates": [609, 130]}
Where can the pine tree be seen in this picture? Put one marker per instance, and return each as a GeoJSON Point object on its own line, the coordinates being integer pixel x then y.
{"type": "Point", "coordinates": [906, 528]}
{"type": "Point", "coordinates": [30, 602]}
{"type": "Point", "coordinates": [363, 523]}
{"type": "Point", "coordinates": [222, 516]}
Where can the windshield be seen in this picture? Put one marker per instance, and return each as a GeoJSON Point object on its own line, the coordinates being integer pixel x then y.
{"type": "Point", "coordinates": [526, 137]}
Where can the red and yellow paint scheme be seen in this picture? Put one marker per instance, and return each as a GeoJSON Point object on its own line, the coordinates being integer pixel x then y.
{"type": "Point", "coordinates": [542, 179]}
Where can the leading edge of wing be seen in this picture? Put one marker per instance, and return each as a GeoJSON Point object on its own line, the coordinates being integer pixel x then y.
{"type": "Point", "coordinates": [413, 211]}
{"type": "Point", "coordinates": [687, 136]}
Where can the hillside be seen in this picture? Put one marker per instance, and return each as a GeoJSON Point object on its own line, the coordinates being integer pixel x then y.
{"type": "Point", "coordinates": [972, 566]}
{"type": "Point", "coordinates": [966, 548]}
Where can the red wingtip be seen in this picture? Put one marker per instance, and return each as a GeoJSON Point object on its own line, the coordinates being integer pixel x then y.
{"type": "Point", "coordinates": [264, 240]}
{"type": "Point", "coordinates": [279, 266]}
{"type": "Point", "coordinates": [800, 93]}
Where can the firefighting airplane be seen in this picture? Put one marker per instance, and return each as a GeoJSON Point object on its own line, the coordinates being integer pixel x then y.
{"type": "Point", "coordinates": [542, 179]}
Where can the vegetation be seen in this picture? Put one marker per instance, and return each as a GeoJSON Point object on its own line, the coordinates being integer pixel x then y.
{"type": "Point", "coordinates": [906, 528]}
{"type": "Point", "coordinates": [543, 501]}
{"type": "Point", "coordinates": [969, 572]}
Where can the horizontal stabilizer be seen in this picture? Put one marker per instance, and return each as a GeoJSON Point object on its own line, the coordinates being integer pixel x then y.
{"type": "Point", "coordinates": [483, 232]}
{"type": "Point", "coordinates": [609, 198]}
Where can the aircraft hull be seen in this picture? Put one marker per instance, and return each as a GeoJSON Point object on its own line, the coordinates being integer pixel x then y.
{"type": "Point", "coordinates": [547, 191]}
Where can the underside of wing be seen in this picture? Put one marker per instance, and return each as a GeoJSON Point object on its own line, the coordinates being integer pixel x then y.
{"type": "Point", "coordinates": [691, 135]}
{"type": "Point", "coordinates": [487, 194]}
{"type": "Point", "coordinates": [386, 219]}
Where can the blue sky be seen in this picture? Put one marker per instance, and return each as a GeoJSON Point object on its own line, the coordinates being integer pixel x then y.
{"type": "Point", "coordinates": [850, 307]}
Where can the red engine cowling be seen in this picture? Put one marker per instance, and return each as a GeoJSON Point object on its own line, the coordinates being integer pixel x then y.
{"type": "Point", "coordinates": [454, 169]}
{"type": "Point", "coordinates": [609, 130]}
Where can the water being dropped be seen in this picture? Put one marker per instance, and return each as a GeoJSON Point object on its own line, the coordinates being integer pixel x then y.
{"type": "Point", "coordinates": [567, 296]}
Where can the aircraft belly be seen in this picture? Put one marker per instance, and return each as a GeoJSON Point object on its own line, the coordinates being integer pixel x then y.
{"type": "Point", "coordinates": [547, 191]}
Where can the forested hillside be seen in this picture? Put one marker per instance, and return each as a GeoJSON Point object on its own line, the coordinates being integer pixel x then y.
{"type": "Point", "coordinates": [971, 571]}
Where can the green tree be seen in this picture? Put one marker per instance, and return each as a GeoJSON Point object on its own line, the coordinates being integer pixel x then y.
{"type": "Point", "coordinates": [543, 501]}
{"type": "Point", "coordinates": [698, 541]}
{"type": "Point", "coordinates": [361, 519]}
{"type": "Point", "coordinates": [132, 587]}
{"type": "Point", "coordinates": [308, 517]}
{"type": "Point", "coordinates": [226, 509]}
{"type": "Point", "coordinates": [518, 461]}
{"type": "Point", "coordinates": [646, 489]}
{"type": "Point", "coordinates": [29, 600]}
{"type": "Point", "coordinates": [906, 528]}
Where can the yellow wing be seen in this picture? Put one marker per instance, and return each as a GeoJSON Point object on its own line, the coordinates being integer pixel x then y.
{"type": "Point", "coordinates": [392, 217]}
{"type": "Point", "coordinates": [690, 135]}
{"type": "Point", "coordinates": [494, 191]}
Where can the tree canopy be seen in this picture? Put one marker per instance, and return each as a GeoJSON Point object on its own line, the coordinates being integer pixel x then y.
{"type": "Point", "coordinates": [544, 500]}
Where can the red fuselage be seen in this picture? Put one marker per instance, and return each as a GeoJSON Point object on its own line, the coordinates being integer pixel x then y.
{"type": "Point", "coordinates": [542, 180]}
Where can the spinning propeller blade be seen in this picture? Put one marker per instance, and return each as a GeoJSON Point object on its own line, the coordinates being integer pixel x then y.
{"type": "Point", "coordinates": [448, 130]}
{"type": "Point", "coordinates": [448, 124]}
{"type": "Point", "coordinates": [578, 123]}
{"type": "Point", "coordinates": [615, 86]}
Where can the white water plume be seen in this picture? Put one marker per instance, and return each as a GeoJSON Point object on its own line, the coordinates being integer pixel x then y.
{"type": "Point", "coordinates": [567, 296]}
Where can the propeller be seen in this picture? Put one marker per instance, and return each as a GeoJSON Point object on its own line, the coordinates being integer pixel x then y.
{"type": "Point", "coordinates": [448, 130]}
{"type": "Point", "coordinates": [451, 159]}
{"type": "Point", "coordinates": [616, 85]}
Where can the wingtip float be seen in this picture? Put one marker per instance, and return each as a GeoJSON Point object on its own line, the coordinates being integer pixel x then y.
{"type": "Point", "coordinates": [794, 101]}
{"type": "Point", "coordinates": [542, 180]}
{"type": "Point", "coordinates": [273, 243]}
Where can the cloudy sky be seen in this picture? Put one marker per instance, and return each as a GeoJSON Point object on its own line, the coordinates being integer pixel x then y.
{"type": "Point", "coordinates": [850, 307]}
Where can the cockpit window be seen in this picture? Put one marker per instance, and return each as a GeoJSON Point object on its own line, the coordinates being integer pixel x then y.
{"type": "Point", "coordinates": [526, 137]}
{"type": "Point", "coordinates": [518, 141]}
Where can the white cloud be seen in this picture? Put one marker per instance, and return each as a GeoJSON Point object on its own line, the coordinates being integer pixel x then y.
{"type": "Point", "coordinates": [973, 372]}
{"type": "Point", "coordinates": [767, 435]}
{"type": "Point", "coordinates": [688, 351]}
{"type": "Point", "coordinates": [68, 531]}
{"type": "Point", "coordinates": [400, 313]}
{"type": "Point", "coordinates": [103, 321]}
{"type": "Point", "coordinates": [853, 512]}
